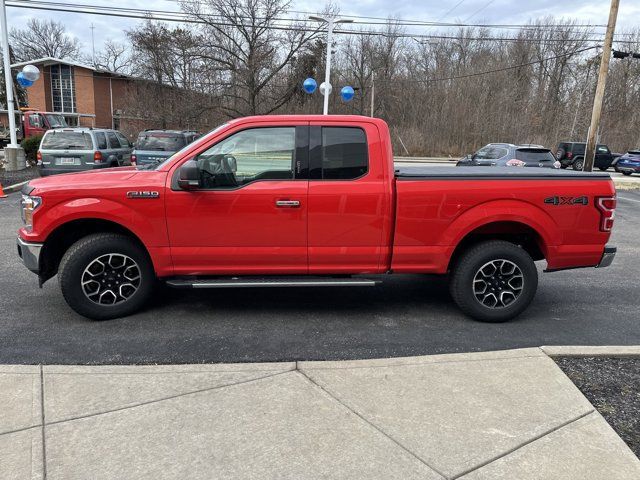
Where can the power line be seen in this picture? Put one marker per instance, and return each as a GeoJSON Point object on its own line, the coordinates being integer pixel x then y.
{"type": "Point", "coordinates": [451, 10]}
{"type": "Point", "coordinates": [503, 69]}
{"type": "Point", "coordinates": [386, 21]}
{"type": "Point", "coordinates": [479, 10]}
{"type": "Point", "coordinates": [115, 75]}
{"type": "Point", "coordinates": [417, 22]}
{"type": "Point", "coordinates": [181, 17]}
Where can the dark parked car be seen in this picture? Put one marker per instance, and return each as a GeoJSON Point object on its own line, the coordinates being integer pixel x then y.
{"type": "Point", "coordinates": [64, 150]}
{"type": "Point", "coordinates": [155, 146]}
{"type": "Point", "coordinates": [571, 154]}
{"type": "Point", "coordinates": [510, 155]}
{"type": "Point", "coordinates": [629, 162]}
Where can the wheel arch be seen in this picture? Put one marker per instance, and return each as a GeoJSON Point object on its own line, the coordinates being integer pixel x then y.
{"type": "Point", "coordinates": [66, 234]}
{"type": "Point", "coordinates": [513, 231]}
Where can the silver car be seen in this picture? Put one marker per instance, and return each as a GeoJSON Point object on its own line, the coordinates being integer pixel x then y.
{"type": "Point", "coordinates": [65, 150]}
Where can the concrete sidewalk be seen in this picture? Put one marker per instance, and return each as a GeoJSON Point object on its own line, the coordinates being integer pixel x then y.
{"type": "Point", "coordinates": [510, 414]}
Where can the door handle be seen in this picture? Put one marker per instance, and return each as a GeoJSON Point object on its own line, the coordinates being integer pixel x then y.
{"type": "Point", "coordinates": [287, 203]}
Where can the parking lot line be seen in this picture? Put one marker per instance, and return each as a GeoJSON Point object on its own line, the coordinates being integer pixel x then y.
{"type": "Point", "coordinates": [628, 199]}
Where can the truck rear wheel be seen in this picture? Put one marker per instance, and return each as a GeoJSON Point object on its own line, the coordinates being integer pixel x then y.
{"type": "Point", "coordinates": [494, 281]}
{"type": "Point", "coordinates": [106, 275]}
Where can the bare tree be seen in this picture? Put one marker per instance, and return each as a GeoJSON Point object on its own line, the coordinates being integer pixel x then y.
{"type": "Point", "coordinates": [114, 57]}
{"type": "Point", "coordinates": [242, 39]}
{"type": "Point", "coordinates": [43, 38]}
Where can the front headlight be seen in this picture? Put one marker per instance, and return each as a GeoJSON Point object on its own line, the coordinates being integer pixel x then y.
{"type": "Point", "coordinates": [28, 205]}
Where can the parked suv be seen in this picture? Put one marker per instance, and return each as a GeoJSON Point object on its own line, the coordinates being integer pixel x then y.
{"type": "Point", "coordinates": [571, 154]}
{"type": "Point", "coordinates": [510, 155]}
{"type": "Point", "coordinates": [629, 162]}
{"type": "Point", "coordinates": [65, 150]}
{"type": "Point", "coordinates": [155, 146]}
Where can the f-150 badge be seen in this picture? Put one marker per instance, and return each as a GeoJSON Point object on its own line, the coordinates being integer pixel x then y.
{"type": "Point", "coordinates": [143, 194]}
{"type": "Point", "coordinates": [567, 200]}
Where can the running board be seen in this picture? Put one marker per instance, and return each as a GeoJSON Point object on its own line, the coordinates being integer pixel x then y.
{"type": "Point", "coordinates": [251, 282]}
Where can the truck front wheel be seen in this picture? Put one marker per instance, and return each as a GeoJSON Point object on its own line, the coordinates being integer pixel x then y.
{"type": "Point", "coordinates": [106, 275]}
{"type": "Point", "coordinates": [494, 281]}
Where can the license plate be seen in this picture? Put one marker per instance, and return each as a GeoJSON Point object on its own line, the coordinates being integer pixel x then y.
{"type": "Point", "coordinates": [67, 161]}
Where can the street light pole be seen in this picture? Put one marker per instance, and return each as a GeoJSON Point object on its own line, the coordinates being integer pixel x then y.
{"type": "Point", "coordinates": [8, 79]}
{"type": "Point", "coordinates": [331, 23]}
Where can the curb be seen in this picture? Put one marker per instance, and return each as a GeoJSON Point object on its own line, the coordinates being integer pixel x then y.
{"type": "Point", "coordinates": [15, 188]}
{"type": "Point", "coordinates": [591, 351]}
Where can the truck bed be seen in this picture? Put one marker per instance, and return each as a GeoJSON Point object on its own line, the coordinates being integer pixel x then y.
{"type": "Point", "coordinates": [493, 173]}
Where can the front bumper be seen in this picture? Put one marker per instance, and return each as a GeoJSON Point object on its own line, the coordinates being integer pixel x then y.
{"type": "Point", "coordinates": [30, 254]}
{"type": "Point", "coordinates": [607, 256]}
{"type": "Point", "coordinates": [627, 168]}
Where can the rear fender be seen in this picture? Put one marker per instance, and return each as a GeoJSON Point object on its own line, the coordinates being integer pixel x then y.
{"type": "Point", "coordinates": [504, 211]}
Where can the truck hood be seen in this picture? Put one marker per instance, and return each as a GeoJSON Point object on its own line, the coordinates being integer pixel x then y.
{"type": "Point", "coordinates": [106, 178]}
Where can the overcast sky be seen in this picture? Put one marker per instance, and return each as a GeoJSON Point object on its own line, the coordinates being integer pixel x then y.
{"type": "Point", "coordinates": [496, 11]}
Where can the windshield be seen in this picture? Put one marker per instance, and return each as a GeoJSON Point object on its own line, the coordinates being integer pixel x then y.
{"type": "Point", "coordinates": [199, 141]}
{"type": "Point", "coordinates": [67, 141]}
{"type": "Point", "coordinates": [535, 155]}
{"type": "Point", "coordinates": [56, 121]}
{"type": "Point", "coordinates": [164, 142]}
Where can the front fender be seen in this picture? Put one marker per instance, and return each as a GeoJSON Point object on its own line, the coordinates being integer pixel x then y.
{"type": "Point", "coordinates": [147, 222]}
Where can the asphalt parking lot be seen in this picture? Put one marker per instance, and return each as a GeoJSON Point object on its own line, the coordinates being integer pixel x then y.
{"type": "Point", "coordinates": [410, 315]}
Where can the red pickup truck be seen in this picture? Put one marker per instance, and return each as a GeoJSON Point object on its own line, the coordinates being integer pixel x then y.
{"type": "Point", "coordinates": [275, 201]}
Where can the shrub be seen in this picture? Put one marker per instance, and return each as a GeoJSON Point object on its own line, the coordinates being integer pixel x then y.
{"type": "Point", "coordinates": [30, 146]}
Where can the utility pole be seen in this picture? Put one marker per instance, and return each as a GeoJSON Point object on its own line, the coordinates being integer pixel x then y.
{"type": "Point", "coordinates": [331, 22]}
{"type": "Point", "coordinates": [590, 150]}
{"type": "Point", "coordinates": [373, 95]}
{"type": "Point", "coordinates": [93, 45]}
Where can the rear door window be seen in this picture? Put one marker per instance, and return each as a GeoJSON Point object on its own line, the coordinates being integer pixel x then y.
{"type": "Point", "coordinates": [490, 153]}
{"type": "Point", "coordinates": [101, 140]}
{"type": "Point", "coordinates": [67, 141]}
{"type": "Point", "coordinates": [578, 149]}
{"type": "Point", "coordinates": [124, 143]}
{"type": "Point", "coordinates": [113, 140]}
{"type": "Point", "coordinates": [344, 153]}
{"type": "Point", "coordinates": [534, 155]}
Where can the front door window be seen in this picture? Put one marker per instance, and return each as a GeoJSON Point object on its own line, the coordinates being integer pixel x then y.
{"type": "Point", "coordinates": [249, 156]}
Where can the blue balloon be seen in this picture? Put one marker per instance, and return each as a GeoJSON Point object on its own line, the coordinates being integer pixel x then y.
{"type": "Point", "coordinates": [309, 85]}
{"type": "Point", "coordinates": [347, 93]}
{"type": "Point", "coordinates": [23, 81]}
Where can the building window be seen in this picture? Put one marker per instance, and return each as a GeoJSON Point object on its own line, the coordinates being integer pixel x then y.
{"type": "Point", "coordinates": [63, 92]}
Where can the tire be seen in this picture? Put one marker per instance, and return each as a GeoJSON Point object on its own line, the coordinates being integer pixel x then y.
{"type": "Point", "coordinates": [92, 263]}
{"type": "Point", "coordinates": [577, 164]}
{"type": "Point", "coordinates": [626, 173]}
{"type": "Point", "coordinates": [560, 153]}
{"type": "Point", "coordinates": [470, 271]}
{"type": "Point", "coordinates": [603, 169]}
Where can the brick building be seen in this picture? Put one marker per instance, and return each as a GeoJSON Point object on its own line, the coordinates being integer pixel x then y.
{"type": "Point", "coordinates": [84, 95]}
{"type": "Point", "coordinates": [91, 97]}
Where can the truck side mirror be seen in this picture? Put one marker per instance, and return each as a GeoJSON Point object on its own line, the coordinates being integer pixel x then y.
{"type": "Point", "coordinates": [189, 176]}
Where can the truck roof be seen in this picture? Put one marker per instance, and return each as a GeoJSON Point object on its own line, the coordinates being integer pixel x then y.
{"type": "Point", "coordinates": [308, 118]}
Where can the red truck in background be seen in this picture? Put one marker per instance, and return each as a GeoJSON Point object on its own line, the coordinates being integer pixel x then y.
{"type": "Point", "coordinates": [33, 123]}
{"type": "Point", "coordinates": [310, 200]}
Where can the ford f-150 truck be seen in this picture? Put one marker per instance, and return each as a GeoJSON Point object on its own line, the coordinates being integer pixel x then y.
{"type": "Point", "coordinates": [275, 201]}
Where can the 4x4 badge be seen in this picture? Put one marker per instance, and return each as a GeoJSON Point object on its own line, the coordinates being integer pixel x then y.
{"type": "Point", "coordinates": [143, 194]}
{"type": "Point", "coordinates": [567, 200]}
